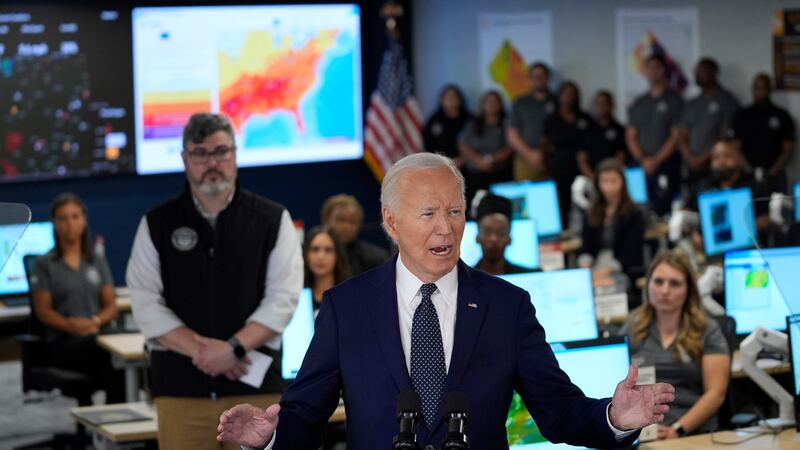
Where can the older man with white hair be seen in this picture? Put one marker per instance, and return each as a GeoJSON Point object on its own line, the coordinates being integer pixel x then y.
{"type": "Point", "coordinates": [425, 321]}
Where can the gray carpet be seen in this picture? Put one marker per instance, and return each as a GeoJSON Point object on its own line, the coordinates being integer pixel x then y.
{"type": "Point", "coordinates": [22, 422]}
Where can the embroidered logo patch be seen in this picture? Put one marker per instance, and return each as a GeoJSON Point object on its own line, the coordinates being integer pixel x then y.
{"type": "Point", "coordinates": [184, 239]}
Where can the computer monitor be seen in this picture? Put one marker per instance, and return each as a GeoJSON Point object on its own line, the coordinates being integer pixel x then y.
{"type": "Point", "coordinates": [637, 185]}
{"type": "Point", "coordinates": [297, 336]}
{"type": "Point", "coordinates": [564, 302]}
{"type": "Point", "coordinates": [752, 295]}
{"type": "Point", "coordinates": [595, 366]}
{"type": "Point", "coordinates": [37, 239]}
{"type": "Point", "coordinates": [797, 202]}
{"type": "Point", "coordinates": [726, 220]}
{"type": "Point", "coordinates": [793, 329]}
{"type": "Point", "coordinates": [523, 250]}
{"type": "Point", "coordinates": [533, 200]}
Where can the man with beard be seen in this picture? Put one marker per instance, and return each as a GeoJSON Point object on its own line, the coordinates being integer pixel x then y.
{"type": "Point", "coordinates": [728, 172]}
{"type": "Point", "coordinates": [214, 275]}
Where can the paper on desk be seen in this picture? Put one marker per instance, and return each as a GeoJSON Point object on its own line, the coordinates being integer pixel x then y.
{"type": "Point", "coordinates": [647, 375]}
{"type": "Point", "coordinates": [259, 364]}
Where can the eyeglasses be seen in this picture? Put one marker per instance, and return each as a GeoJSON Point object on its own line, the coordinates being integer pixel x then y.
{"type": "Point", "coordinates": [199, 155]}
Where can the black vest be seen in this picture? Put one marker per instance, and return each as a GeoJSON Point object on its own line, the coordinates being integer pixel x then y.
{"type": "Point", "coordinates": [213, 280]}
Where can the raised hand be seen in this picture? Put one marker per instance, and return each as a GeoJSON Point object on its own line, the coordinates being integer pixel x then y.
{"type": "Point", "coordinates": [635, 407]}
{"type": "Point", "coordinates": [248, 425]}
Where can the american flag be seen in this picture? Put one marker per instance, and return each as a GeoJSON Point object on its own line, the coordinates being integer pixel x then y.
{"type": "Point", "coordinates": [394, 122]}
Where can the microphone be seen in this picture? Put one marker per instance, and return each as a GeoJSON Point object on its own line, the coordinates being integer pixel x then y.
{"type": "Point", "coordinates": [408, 413]}
{"type": "Point", "coordinates": [457, 414]}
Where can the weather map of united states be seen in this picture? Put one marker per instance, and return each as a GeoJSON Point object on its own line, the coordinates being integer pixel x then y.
{"type": "Point", "coordinates": [270, 75]}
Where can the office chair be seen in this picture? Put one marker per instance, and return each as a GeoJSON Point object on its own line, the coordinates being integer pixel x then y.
{"type": "Point", "coordinates": [38, 375]}
{"type": "Point", "coordinates": [728, 408]}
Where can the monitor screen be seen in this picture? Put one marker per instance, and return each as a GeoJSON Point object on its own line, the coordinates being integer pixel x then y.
{"type": "Point", "coordinates": [288, 77]}
{"type": "Point", "coordinates": [65, 97]}
{"type": "Point", "coordinates": [753, 295]}
{"type": "Point", "coordinates": [797, 202]}
{"type": "Point", "coordinates": [533, 200]}
{"type": "Point", "coordinates": [523, 250]}
{"type": "Point", "coordinates": [297, 336]}
{"type": "Point", "coordinates": [793, 329]}
{"type": "Point", "coordinates": [580, 360]}
{"type": "Point", "coordinates": [637, 185]}
{"type": "Point", "coordinates": [564, 302]}
{"type": "Point", "coordinates": [37, 239]}
{"type": "Point", "coordinates": [726, 220]}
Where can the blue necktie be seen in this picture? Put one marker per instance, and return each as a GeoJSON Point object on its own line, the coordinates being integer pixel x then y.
{"type": "Point", "coordinates": [428, 371]}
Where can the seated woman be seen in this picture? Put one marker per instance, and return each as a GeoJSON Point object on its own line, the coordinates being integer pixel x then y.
{"type": "Point", "coordinates": [670, 331]}
{"type": "Point", "coordinates": [73, 297]}
{"type": "Point", "coordinates": [613, 226]}
{"type": "Point", "coordinates": [326, 264]}
{"type": "Point", "coordinates": [483, 146]}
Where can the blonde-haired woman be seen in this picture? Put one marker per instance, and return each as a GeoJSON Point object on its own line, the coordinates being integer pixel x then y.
{"type": "Point", "coordinates": [671, 332]}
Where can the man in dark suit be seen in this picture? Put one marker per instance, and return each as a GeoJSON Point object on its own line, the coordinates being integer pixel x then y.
{"type": "Point", "coordinates": [425, 321]}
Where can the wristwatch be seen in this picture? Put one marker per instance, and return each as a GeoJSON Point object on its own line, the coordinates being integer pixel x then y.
{"type": "Point", "coordinates": [238, 348]}
{"type": "Point", "coordinates": [679, 429]}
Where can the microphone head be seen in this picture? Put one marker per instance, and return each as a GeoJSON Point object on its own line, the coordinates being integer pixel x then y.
{"type": "Point", "coordinates": [408, 401]}
{"type": "Point", "coordinates": [456, 403]}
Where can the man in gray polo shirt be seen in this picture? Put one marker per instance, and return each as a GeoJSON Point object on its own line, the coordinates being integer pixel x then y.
{"type": "Point", "coordinates": [652, 136]}
{"type": "Point", "coordinates": [528, 114]}
{"type": "Point", "coordinates": [705, 120]}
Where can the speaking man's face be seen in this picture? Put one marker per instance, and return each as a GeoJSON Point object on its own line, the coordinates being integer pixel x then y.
{"type": "Point", "coordinates": [428, 222]}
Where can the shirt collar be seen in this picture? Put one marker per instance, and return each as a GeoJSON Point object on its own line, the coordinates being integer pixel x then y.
{"type": "Point", "coordinates": [206, 215]}
{"type": "Point", "coordinates": [408, 284]}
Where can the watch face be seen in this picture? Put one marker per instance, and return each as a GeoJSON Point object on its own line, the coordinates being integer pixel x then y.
{"type": "Point", "coordinates": [239, 351]}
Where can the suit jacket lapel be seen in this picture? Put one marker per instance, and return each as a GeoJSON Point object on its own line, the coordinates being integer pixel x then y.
{"type": "Point", "coordinates": [470, 309]}
{"type": "Point", "coordinates": [383, 311]}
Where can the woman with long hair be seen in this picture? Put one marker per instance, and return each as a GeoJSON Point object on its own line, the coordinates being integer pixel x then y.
{"type": "Point", "coordinates": [441, 131]}
{"type": "Point", "coordinates": [483, 146]}
{"type": "Point", "coordinates": [613, 226]}
{"type": "Point", "coordinates": [671, 332]}
{"type": "Point", "coordinates": [325, 262]}
{"type": "Point", "coordinates": [73, 297]}
{"type": "Point", "coordinates": [564, 135]}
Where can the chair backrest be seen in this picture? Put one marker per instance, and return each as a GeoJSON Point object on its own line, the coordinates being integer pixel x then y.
{"type": "Point", "coordinates": [35, 327]}
{"type": "Point", "coordinates": [728, 326]}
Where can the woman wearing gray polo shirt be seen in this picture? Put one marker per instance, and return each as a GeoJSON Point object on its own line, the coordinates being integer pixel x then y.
{"type": "Point", "coordinates": [73, 298]}
{"type": "Point", "coordinates": [671, 332]}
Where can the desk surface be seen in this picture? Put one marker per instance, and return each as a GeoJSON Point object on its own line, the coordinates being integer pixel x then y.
{"type": "Point", "coordinates": [144, 430]}
{"type": "Point", "coordinates": [128, 346]}
{"type": "Point", "coordinates": [789, 439]}
{"type": "Point", "coordinates": [772, 367]}
{"type": "Point", "coordinates": [141, 430]}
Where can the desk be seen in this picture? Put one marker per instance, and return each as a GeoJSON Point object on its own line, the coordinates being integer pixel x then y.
{"type": "Point", "coordinates": [142, 430]}
{"type": "Point", "coordinates": [787, 440]}
{"type": "Point", "coordinates": [774, 367]}
{"type": "Point", "coordinates": [127, 352]}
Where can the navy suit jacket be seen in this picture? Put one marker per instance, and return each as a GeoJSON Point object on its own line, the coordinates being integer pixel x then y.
{"type": "Point", "coordinates": [498, 347]}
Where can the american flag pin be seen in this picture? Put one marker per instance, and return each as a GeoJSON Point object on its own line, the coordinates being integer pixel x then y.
{"type": "Point", "coordinates": [473, 305]}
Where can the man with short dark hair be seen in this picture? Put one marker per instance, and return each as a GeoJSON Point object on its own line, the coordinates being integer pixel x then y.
{"type": "Point", "coordinates": [494, 236]}
{"type": "Point", "coordinates": [214, 275]}
{"type": "Point", "coordinates": [650, 135]}
{"type": "Point", "coordinates": [767, 135]}
{"type": "Point", "coordinates": [528, 114]}
{"type": "Point", "coordinates": [705, 120]}
{"type": "Point", "coordinates": [345, 216]}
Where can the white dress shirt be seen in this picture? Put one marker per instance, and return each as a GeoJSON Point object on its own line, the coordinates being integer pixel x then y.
{"type": "Point", "coordinates": [284, 281]}
{"type": "Point", "coordinates": [444, 299]}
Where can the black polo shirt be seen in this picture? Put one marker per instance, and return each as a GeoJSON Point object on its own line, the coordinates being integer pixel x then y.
{"type": "Point", "coordinates": [762, 128]}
